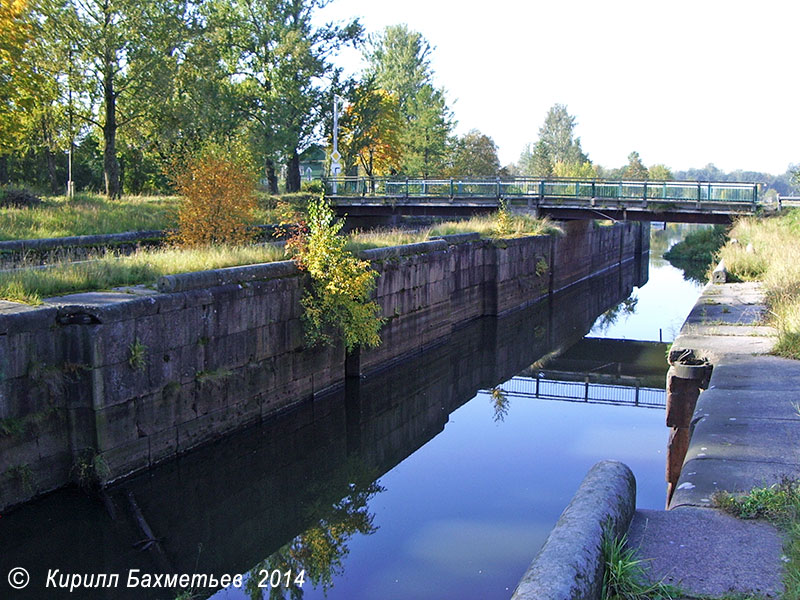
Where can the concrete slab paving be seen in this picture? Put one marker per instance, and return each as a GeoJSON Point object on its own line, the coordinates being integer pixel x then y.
{"type": "Point", "coordinates": [705, 551]}
{"type": "Point", "coordinates": [745, 434]}
{"type": "Point", "coordinates": [746, 438]}
{"type": "Point", "coordinates": [702, 477]}
{"type": "Point", "coordinates": [740, 403]}
{"type": "Point", "coordinates": [764, 374]}
{"type": "Point", "coordinates": [714, 345]}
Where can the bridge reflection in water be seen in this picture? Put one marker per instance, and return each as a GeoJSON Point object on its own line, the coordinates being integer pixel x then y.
{"type": "Point", "coordinates": [294, 492]}
{"type": "Point", "coordinates": [546, 388]}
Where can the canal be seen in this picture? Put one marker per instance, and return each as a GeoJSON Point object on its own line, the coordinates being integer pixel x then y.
{"type": "Point", "coordinates": [437, 478]}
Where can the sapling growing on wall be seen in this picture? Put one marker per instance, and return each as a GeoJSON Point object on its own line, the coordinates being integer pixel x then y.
{"type": "Point", "coordinates": [338, 302]}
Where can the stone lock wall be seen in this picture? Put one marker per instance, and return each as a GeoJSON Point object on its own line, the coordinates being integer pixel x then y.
{"type": "Point", "coordinates": [105, 384]}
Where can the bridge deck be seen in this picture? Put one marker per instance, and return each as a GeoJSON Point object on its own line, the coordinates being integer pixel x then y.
{"type": "Point", "coordinates": [560, 198]}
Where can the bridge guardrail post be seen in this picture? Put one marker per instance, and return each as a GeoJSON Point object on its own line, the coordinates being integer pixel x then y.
{"type": "Point", "coordinates": [406, 188]}
{"type": "Point", "coordinates": [452, 194]}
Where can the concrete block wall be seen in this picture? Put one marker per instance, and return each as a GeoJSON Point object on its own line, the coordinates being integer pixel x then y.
{"type": "Point", "coordinates": [35, 409]}
{"type": "Point", "coordinates": [219, 350]}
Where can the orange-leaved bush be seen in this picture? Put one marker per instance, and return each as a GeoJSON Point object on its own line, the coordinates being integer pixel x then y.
{"type": "Point", "coordinates": [218, 189]}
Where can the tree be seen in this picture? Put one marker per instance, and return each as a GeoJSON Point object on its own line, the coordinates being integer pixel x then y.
{"type": "Point", "coordinates": [371, 127]}
{"type": "Point", "coordinates": [474, 155]}
{"type": "Point", "coordinates": [16, 81]}
{"type": "Point", "coordinates": [584, 170]}
{"type": "Point", "coordinates": [127, 52]}
{"type": "Point", "coordinates": [277, 60]}
{"type": "Point", "coordinates": [425, 135]}
{"type": "Point", "coordinates": [398, 61]}
{"type": "Point", "coordinates": [556, 135]}
{"type": "Point", "coordinates": [659, 173]}
{"type": "Point", "coordinates": [555, 146]}
{"type": "Point", "coordinates": [635, 168]}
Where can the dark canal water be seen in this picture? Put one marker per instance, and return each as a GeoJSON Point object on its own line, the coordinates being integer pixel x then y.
{"type": "Point", "coordinates": [438, 478]}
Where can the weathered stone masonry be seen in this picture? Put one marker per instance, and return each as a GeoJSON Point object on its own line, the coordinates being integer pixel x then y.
{"type": "Point", "coordinates": [121, 381]}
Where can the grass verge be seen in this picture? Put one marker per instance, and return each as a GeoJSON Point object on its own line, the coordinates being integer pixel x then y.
{"type": "Point", "coordinates": [30, 285]}
{"type": "Point", "coordinates": [780, 504]}
{"type": "Point", "coordinates": [90, 214]}
{"type": "Point", "coordinates": [109, 271]}
{"type": "Point", "coordinates": [773, 258]}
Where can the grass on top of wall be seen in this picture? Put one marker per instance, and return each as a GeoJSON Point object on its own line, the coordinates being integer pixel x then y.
{"type": "Point", "coordinates": [91, 214]}
{"type": "Point", "coordinates": [487, 226]}
{"type": "Point", "coordinates": [774, 260]}
{"type": "Point", "coordinates": [108, 271]}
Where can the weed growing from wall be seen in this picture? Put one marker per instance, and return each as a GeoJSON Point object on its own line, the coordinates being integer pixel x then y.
{"type": "Point", "coordinates": [90, 469]}
{"type": "Point", "coordinates": [504, 221]}
{"type": "Point", "coordinates": [338, 305]}
{"type": "Point", "coordinates": [137, 355]}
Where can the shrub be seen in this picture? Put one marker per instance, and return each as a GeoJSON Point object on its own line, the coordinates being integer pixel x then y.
{"type": "Point", "coordinates": [313, 187]}
{"type": "Point", "coordinates": [218, 189]}
{"type": "Point", "coordinates": [338, 303]}
{"type": "Point", "coordinates": [18, 197]}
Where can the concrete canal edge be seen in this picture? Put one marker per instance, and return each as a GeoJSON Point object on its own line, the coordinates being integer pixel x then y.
{"type": "Point", "coordinates": [570, 565]}
{"type": "Point", "coordinates": [732, 429]}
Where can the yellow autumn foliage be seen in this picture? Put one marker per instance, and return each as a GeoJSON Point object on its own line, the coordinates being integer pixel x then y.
{"type": "Point", "coordinates": [219, 200]}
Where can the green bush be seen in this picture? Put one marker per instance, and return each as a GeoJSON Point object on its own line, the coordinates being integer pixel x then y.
{"type": "Point", "coordinates": [338, 305]}
{"type": "Point", "coordinates": [312, 187]}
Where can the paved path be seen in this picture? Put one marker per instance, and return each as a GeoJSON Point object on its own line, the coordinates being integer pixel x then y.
{"type": "Point", "coordinates": [746, 434]}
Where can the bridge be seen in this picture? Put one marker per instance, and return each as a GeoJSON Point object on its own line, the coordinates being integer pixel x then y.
{"type": "Point", "coordinates": [674, 201]}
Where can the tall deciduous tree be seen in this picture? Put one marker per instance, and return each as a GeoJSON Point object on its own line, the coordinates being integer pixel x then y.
{"type": "Point", "coordinates": [659, 173]}
{"type": "Point", "coordinates": [278, 61]}
{"type": "Point", "coordinates": [370, 129]}
{"type": "Point", "coordinates": [556, 145]}
{"type": "Point", "coordinates": [128, 51]}
{"type": "Point", "coordinates": [399, 61]}
{"type": "Point", "coordinates": [474, 154]}
{"type": "Point", "coordinates": [556, 135]}
{"type": "Point", "coordinates": [16, 81]}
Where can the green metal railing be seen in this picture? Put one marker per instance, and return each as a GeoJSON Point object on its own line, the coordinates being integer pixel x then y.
{"type": "Point", "coordinates": [530, 187]}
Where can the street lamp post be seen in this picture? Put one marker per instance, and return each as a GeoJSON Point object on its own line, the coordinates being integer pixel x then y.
{"type": "Point", "coordinates": [336, 166]}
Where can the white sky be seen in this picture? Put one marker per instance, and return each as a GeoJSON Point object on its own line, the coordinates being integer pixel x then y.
{"type": "Point", "coordinates": [684, 83]}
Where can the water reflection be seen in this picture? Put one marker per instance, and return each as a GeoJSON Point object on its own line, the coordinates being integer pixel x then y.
{"type": "Point", "coordinates": [316, 556]}
{"type": "Point", "coordinates": [309, 489]}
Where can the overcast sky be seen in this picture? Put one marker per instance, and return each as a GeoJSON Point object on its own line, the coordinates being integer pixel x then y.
{"type": "Point", "coordinates": [684, 83]}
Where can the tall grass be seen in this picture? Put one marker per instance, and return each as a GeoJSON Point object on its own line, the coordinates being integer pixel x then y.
{"type": "Point", "coordinates": [486, 226]}
{"type": "Point", "coordinates": [89, 214]}
{"type": "Point", "coordinates": [109, 271]}
{"type": "Point", "coordinates": [31, 285]}
{"type": "Point", "coordinates": [515, 225]}
{"type": "Point", "coordinates": [774, 259]}
{"type": "Point", "coordinates": [383, 238]}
